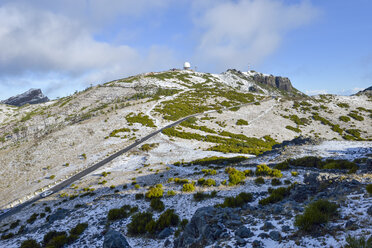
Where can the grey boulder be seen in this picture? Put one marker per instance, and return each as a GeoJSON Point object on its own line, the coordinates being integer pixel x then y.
{"type": "Point", "coordinates": [114, 239]}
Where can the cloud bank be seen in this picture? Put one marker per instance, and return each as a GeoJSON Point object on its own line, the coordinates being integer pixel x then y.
{"type": "Point", "coordinates": [52, 44]}
{"type": "Point", "coordinates": [235, 33]}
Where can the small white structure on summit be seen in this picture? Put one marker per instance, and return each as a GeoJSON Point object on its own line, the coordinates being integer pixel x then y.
{"type": "Point", "coordinates": [186, 66]}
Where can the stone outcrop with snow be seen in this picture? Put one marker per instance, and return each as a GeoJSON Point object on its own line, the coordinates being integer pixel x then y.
{"type": "Point", "coordinates": [32, 96]}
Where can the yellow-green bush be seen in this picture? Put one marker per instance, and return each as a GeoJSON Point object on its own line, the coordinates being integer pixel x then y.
{"type": "Point", "coordinates": [155, 192]}
{"type": "Point", "coordinates": [188, 187]}
{"type": "Point", "coordinates": [264, 170]}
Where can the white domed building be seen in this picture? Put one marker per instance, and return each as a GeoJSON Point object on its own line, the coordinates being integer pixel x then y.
{"type": "Point", "coordinates": [186, 66]}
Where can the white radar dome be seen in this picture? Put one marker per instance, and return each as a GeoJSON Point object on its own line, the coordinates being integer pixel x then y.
{"type": "Point", "coordinates": [186, 65]}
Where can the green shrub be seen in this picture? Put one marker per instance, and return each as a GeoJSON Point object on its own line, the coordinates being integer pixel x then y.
{"type": "Point", "coordinates": [188, 187]}
{"type": "Point", "coordinates": [79, 229]}
{"type": "Point", "coordinates": [206, 182]}
{"type": "Point", "coordinates": [139, 222]}
{"type": "Point", "coordinates": [355, 116]}
{"type": "Point", "coordinates": [276, 195]}
{"type": "Point", "coordinates": [148, 147]}
{"type": "Point", "coordinates": [238, 201]}
{"type": "Point", "coordinates": [297, 130]}
{"type": "Point", "coordinates": [200, 196]}
{"type": "Point", "coordinates": [171, 193]}
{"type": "Point", "coordinates": [116, 214]}
{"type": "Point", "coordinates": [167, 219]}
{"type": "Point", "coordinates": [53, 237]}
{"type": "Point", "coordinates": [343, 105]}
{"type": "Point", "coordinates": [316, 214]}
{"type": "Point", "coordinates": [120, 213]}
{"type": "Point", "coordinates": [259, 180]}
{"type": "Point", "coordinates": [32, 218]}
{"type": "Point", "coordinates": [209, 172]}
{"type": "Point", "coordinates": [275, 182]}
{"type": "Point", "coordinates": [264, 170]}
{"type": "Point", "coordinates": [14, 224]}
{"type": "Point", "coordinates": [30, 243]}
{"type": "Point", "coordinates": [140, 118]}
{"type": "Point", "coordinates": [116, 131]}
{"type": "Point", "coordinates": [7, 236]}
{"type": "Point", "coordinates": [155, 192]}
{"type": "Point", "coordinates": [217, 160]}
{"type": "Point", "coordinates": [151, 227]}
{"type": "Point", "coordinates": [157, 204]}
{"type": "Point", "coordinates": [282, 166]}
{"type": "Point", "coordinates": [362, 242]}
{"type": "Point", "coordinates": [138, 196]}
{"type": "Point", "coordinates": [183, 223]}
{"type": "Point", "coordinates": [294, 173]}
{"type": "Point", "coordinates": [354, 132]}
{"type": "Point", "coordinates": [344, 118]}
{"type": "Point", "coordinates": [180, 181]}
{"type": "Point", "coordinates": [369, 188]}
{"type": "Point", "coordinates": [241, 122]}
{"type": "Point", "coordinates": [248, 173]}
{"type": "Point", "coordinates": [235, 176]}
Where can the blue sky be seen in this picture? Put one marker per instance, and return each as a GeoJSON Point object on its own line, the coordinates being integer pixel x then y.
{"type": "Point", "coordinates": [65, 45]}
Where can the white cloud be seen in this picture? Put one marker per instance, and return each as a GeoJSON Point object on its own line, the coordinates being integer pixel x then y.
{"type": "Point", "coordinates": [236, 33]}
{"type": "Point", "coordinates": [39, 45]}
{"type": "Point", "coordinates": [315, 92]}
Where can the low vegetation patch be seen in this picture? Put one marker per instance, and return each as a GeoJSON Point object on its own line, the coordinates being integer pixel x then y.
{"type": "Point", "coordinates": [115, 132]}
{"type": "Point", "coordinates": [316, 162]}
{"type": "Point", "coordinates": [200, 196]}
{"type": "Point", "coordinates": [242, 122]}
{"type": "Point", "coordinates": [140, 118]}
{"type": "Point", "coordinates": [276, 195]}
{"type": "Point", "coordinates": [259, 180]}
{"type": "Point", "coordinates": [155, 191]}
{"type": "Point", "coordinates": [216, 161]}
{"type": "Point", "coordinates": [207, 182]}
{"type": "Point", "coordinates": [121, 213]}
{"type": "Point", "coordinates": [237, 201]}
{"type": "Point", "coordinates": [209, 172]}
{"type": "Point", "coordinates": [355, 116]}
{"type": "Point", "coordinates": [344, 118]}
{"type": "Point", "coordinates": [143, 222]}
{"type": "Point", "coordinates": [235, 176]}
{"type": "Point", "coordinates": [157, 204]}
{"type": "Point", "coordinates": [369, 188]}
{"type": "Point", "coordinates": [148, 147]}
{"type": "Point", "coordinates": [264, 170]}
{"type": "Point", "coordinates": [316, 214]}
{"type": "Point", "coordinates": [188, 187]}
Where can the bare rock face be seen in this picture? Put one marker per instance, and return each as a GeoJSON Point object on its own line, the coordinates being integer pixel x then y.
{"type": "Point", "coordinates": [282, 83]}
{"type": "Point", "coordinates": [32, 96]}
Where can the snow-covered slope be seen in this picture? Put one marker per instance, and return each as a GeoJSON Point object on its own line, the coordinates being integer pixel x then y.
{"type": "Point", "coordinates": [43, 144]}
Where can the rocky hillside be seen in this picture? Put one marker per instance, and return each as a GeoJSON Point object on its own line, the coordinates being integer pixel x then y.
{"type": "Point", "coordinates": [247, 115]}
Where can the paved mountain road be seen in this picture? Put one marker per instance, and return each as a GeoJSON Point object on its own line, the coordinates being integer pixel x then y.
{"type": "Point", "coordinates": [96, 166]}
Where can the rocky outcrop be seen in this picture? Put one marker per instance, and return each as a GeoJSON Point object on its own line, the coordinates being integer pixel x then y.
{"type": "Point", "coordinates": [32, 96]}
{"type": "Point", "coordinates": [282, 83]}
{"type": "Point", "coordinates": [208, 225]}
{"type": "Point", "coordinates": [366, 92]}
{"type": "Point", "coordinates": [114, 239]}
